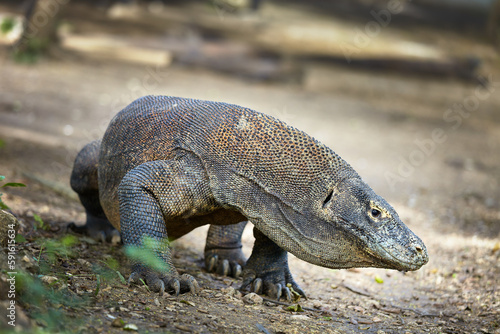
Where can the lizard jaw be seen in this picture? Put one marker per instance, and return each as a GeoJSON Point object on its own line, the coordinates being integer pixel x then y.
{"type": "Point", "coordinates": [388, 260]}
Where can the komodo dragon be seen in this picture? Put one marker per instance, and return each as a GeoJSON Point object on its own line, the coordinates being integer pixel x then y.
{"type": "Point", "coordinates": [167, 165]}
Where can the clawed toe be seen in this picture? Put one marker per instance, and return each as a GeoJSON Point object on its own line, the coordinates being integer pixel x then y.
{"type": "Point", "coordinates": [288, 291]}
{"type": "Point", "coordinates": [173, 284]}
{"type": "Point", "coordinates": [223, 267]}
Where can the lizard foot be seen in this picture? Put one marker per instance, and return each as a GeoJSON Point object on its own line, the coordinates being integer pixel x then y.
{"type": "Point", "coordinates": [97, 228]}
{"type": "Point", "coordinates": [274, 283]}
{"type": "Point", "coordinates": [165, 282]}
{"type": "Point", "coordinates": [226, 262]}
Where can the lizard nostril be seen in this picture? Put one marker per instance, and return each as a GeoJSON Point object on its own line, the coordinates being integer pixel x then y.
{"type": "Point", "coordinates": [418, 249]}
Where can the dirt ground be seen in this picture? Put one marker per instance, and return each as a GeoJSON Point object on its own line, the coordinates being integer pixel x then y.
{"type": "Point", "coordinates": [430, 146]}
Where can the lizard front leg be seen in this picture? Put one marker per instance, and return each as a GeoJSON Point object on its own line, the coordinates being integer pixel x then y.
{"type": "Point", "coordinates": [223, 253]}
{"type": "Point", "coordinates": [153, 197]}
{"type": "Point", "coordinates": [267, 270]}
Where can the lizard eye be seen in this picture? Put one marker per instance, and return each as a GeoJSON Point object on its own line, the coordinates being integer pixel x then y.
{"type": "Point", "coordinates": [375, 213]}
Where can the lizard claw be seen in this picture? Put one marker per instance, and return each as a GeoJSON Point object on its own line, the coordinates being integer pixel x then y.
{"type": "Point", "coordinates": [257, 286]}
{"type": "Point", "coordinates": [212, 261]}
{"type": "Point", "coordinates": [237, 271]}
{"type": "Point", "coordinates": [134, 278]}
{"type": "Point", "coordinates": [188, 282]}
{"type": "Point", "coordinates": [272, 284]}
{"type": "Point", "coordinates": [160, 283]}
{"type": "Point", "coordinates": [277, 291]}
{"type": "Point", "coordinates": [225, 266]}
{"type": "Point", "coordinates": [97, 228]}
{"type": "Point", "coordinates": [287, 293]}
{"type": "Point", "coordinates": [175, 285]}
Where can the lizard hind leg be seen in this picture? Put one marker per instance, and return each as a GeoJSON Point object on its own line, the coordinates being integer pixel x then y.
{"type": "Point", "coordinates": [84, 183]}
{"type": "Point", "coordinates": [223, 253]}
{"type": "Point", "coordinates": [153, 197]}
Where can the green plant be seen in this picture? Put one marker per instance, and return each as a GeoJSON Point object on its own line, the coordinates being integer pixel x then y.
{"type": "Point", "coordinates": [146, 254]}
{"type": "Point", "coordinates": [30, 50]}
{"type": "Point", "coordinates": [4, 206]}
{"type": "Point", "coordinates": [7, 25]}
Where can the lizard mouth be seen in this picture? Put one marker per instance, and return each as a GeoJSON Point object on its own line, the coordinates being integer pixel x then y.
{"type": "Point", "coordinates": [385, 259]}
{"type": "Point", "coordinates": [390, 254]}
{"type": "Point", "coordinates": [404, 260]}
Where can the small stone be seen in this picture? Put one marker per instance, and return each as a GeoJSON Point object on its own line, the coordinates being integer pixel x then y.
{"type": "Point", "coordinates": [317, 304]}
{"type": "Point", "coordinates": [299, 317]}
{"type": "Point", "coordinates": [253, 298]}
{"type": "Point", "coordinates": [183, 327]}
{"type": "Point", "coordinates": [118, 322]}
{"type": "Point", "coordinates": [48, 279]}
{"type": "Point", "coordinates": [376, 319]}
{"type": "Point", "coordinates": [238, 294]}
{"type": "Point", "coordinates": [130, 327]}
{"type": "Point", "coordinates": [228, 291]}
{"type": "Point", "coordinates": [84, 263]}
{"type": "Point", "coordinates": [236, 302]}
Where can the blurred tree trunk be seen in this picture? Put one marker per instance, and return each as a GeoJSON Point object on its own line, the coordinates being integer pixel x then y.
{"type": "Point", "coordinates": [40, 30]}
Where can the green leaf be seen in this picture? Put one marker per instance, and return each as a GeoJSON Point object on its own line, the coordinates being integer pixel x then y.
{"type": "Point", "coordinates": [146, 257]}
{"type": "Point", "coordinates": [122, 279]}
{"type": "Point", "coordinates": [379, 279]}
{"type": "Point", "coordinates": [147, 254]}
{"type": "Point", "coordinates": [3, 206]}
{"type": "Point", "coordinates": [13, 184]}
{"type": "Point", "coordinates": [295, 295]}
{"type": "Point", "coordinates": [295, 308]}
{"type": "Point", "coordinates": [2, 143]}
{"type": "Point", "coordinates": [98, 287]}
{"type": "Point", "coordinates": [20, 238]}
{"type": "Point", "coordinates": [187, 302]}
{"type": "Point", "coordinates": [7, 25]}
{"type": "Point", "coordinates": [40, 222]}
{"type": "Point", "coordinates": [2, 177]}
{"type": "Point", "coordinates": [327, 318]}
{"type": "Point", "coordinates": [69, 240]}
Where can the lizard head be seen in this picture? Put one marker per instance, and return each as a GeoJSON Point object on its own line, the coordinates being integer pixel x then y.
{"type": "Point", "coordinates": [370, 229]}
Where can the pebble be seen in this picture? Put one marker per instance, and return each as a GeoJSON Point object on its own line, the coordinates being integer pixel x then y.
{"type": "Point", "coordinates": [253, 298]}
{"type": "Point", "coordinates": [84, 262]}
{"type": "Point", "coordinates": [317, 304]}
{"type": "Point", "coordinates": [130, 327]}
{"type": "Point", "coordinates": [228, 291]}
{"type": "Point", "coordinates": [118, 323]}
{"type": "Point", "coordinates": [48, 279]}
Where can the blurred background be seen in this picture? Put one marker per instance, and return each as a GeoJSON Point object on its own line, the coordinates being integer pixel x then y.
{"type": "Point", "coordinates": [405, 91]}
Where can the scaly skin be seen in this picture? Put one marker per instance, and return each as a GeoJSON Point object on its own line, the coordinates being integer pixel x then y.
{"type": "Point", "coordinates": [167, 165]}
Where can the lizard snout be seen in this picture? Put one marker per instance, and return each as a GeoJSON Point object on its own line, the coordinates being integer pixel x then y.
{"type": "Point", "coordinates": [420, 252]}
